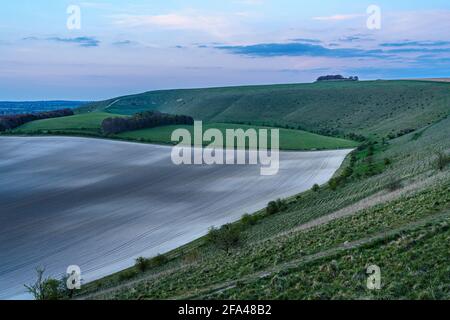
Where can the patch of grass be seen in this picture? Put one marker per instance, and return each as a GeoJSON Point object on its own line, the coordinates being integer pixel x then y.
{"type": "Point", "coordinates": [253, 257]}
{"type": "Point", "coordinates": [89, 124]}
{"type": "Point", "coordinates": [289, 139]}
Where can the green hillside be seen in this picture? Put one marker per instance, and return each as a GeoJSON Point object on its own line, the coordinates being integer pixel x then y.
{"type": "Point", "coordinates": [366, 107]}
{"type": "Point", "coordinates": [390, 209]}
{"type": "Point", "coordinates": [89, 124]}
{"type": "Point", "coordinates": [289, 139]}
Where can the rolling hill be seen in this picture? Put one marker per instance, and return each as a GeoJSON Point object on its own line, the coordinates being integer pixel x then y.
{"type": "Point", "coordinates": [320, 245]}
{"type": "Point", "coordinates": [388, 206]}
{"type": "Point", "coordinates": [376, 108]}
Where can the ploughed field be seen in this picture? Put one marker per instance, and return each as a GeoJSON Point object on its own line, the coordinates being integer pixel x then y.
{"type": "Point", "coordinates": [100, 204]}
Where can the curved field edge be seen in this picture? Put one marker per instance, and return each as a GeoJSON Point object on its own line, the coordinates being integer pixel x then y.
{"type": "Point", "coordinates": [89, 124]}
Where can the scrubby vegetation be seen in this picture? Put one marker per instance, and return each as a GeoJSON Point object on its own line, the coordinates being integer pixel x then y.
{"type": "Point", "coordinates": [46, 288]}
{"type": "Point", "coordinates": [276, 206]}
{"type": "Point", "coordinates": [142, 264]}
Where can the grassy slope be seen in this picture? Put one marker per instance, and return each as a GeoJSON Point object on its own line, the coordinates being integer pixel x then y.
{"type": "Point", "coordinates": [89, 124]}
{"type": "Point", "coordinates": [80, 123]}
{"type": "Point", "coordinates": [405, 232]}
{"type": "Point", "coordinates": [366, 107]}
{"type": "Point", "coordinates": [289, 139]}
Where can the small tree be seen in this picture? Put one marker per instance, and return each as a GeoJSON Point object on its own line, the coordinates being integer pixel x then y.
{"type": "Point", "coordinates": [272, 208]}
{"type": "Point", "coordinates": [249, 220]}
{"type": "Point", "coordinates": [315, 188]}
{"type": "Point", "coordinates": [44, 288]}
{"type": "Point", "coordinates": [227, 237]}
{"type": "Point", "coordinates": [333, 183]}
{"type": "Point", "coordinates": [276, 206]}
{"type": "Point", "coordinates": [141, 264]}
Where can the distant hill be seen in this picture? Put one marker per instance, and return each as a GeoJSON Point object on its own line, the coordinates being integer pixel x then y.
{"type": "Point", "coordinates": [375, 108]}
{"type": "Point", "coordinates": [21, 107]}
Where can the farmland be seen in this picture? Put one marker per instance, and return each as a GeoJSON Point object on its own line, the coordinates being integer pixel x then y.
{"type": "Point", "coordinates": [89, 124]}
{"type": "Point", "coordinates": [391, 210]}
{"type": "Point", "coordinates": [388, 205]}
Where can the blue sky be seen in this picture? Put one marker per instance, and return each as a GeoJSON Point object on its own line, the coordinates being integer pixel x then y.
{"type": "Point", "coordinates": [126, 47]}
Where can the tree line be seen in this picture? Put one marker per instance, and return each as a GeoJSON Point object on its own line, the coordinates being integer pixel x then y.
{"type": "Point", "coordinates": [143, 120]}
{"type": "Point", "coordinates": [336, 77]}
{"type": "Point", "coordinates": [10, 122]}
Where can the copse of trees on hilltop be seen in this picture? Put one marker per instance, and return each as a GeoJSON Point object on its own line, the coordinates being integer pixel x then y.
{"type": "Point", "coordinates": [143, 120]}
{"type": "Point", "coordinates": [337, 77]}
{"type": "Point", "coordinates": [10, 122]}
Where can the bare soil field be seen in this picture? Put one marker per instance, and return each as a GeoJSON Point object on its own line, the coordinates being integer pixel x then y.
{"type": "Point", "coordinates": [100, 204]}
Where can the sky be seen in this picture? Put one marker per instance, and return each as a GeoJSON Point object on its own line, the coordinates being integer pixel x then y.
{"type": "Point", "coordinates": [92, 50]}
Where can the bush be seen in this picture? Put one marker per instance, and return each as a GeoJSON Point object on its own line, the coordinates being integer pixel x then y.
{"type": "Point", "coordinates": [315, 188]}
{"type": "Point", "coordinates": [276, 206]}
{"type": "Point", "coordinates": [387, 161]}
{"type": "Point", "coordinates": [272, 208]}
{"type": "Point", "coordinates": [249, 220]}
{"type": "Point", "coordinates": [127, 275]}
{"type": "Point", "coordinates": [333, 184]}
{"type": "Point", "coordinates": [159, 260]}
{"type": "Point", "coordinates": [142, 264]}
{"type": "Point", "coordinates": [227, 237]}
{"type": "Point", "coordinates": [46, 288]}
